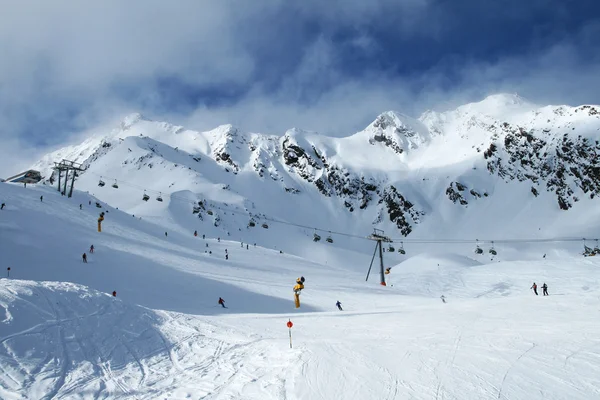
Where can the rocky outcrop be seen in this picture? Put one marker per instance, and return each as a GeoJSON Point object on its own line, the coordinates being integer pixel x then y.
{"type": "Point", "coordinates": [400, 211]}
{"type": "Point", "coordinates": [567, 165]}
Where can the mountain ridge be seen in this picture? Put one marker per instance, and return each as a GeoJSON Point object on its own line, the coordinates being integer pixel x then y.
{"type": "Point", "coordinates": [396, 173]}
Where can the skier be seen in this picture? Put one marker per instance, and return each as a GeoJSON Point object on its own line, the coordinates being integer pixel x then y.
{"type": "Point", "coordinates": [225, 251]}
{"type": "Point", "coordinates": [203, 236]}
{"type": "Point", "coordinates": [227, 256]}
{"type": "Point", "coordinates": [91, 248]}
{"type": "Point", "coordinates": [534, 287]}
{"type": "Point", "coordinates": [2, 206]}
{"type": "Point", "coordinates": [443, 298]}
{"type": "Point", "coordinates": [114, 293]}
{"type": "Point", "coordinates": [242, 244]}
{"type": "Point", "coordinates": [339, 305]}
{"type": "Point", "coordinates": [81, 206]}
{"type": "Point", "coordinates": [222, 302]}
{"type": "Point", "coordinates": [195, 233]}
{"type": "Point", "coordinates": [545, 289]}
{"type": "Point", "coordinates": [84, 257]}
{"type": "Point", "coordinates": [42, 198]}
{"type": "Point", "coordinates": [89, 202]}
{"type": "Point", "coordinates": [246, 247]}
{"type": "Point", "coordinates": [166, 234]}
{"type": "Point", "coordinates": [219, 239]}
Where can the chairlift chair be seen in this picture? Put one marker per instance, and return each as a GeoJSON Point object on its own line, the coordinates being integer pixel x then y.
{"type": "Point", "coordinates": [401, 249]}
{"type": "Point", "coordinates": [493, 251]}
{"type": "Point", "coordinates": [391, 248]}
{"type": "Point", "coordinates": [478, 249]}
{"type": "Point", "coordinates": [265, 226]}
{"type": "Point", "coordinates": [209, 212]}
{"type": "Point", "coordinates": [252, 223]}
{"type": "Point", "coordinates": [146, 197]}
{"type": "Point", "coordinates": [101, 183]}
{"type": "Point", "coordinates": [115, 185]}
{"type": "Point", "coordinates": [159, 198]}
{"type": "Point", "coordinates": [329, 239]}
{"type": "Point", "coordinates": [196, 210]}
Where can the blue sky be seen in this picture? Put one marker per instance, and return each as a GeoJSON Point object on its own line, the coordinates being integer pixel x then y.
{"type": "Point", "coordinates": [270, 65]}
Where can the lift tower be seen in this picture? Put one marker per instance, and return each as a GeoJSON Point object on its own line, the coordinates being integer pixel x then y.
{"type": "Point", "coordinates": [67, 166]}
{"type": "Point", "coordinates": [378, 237]}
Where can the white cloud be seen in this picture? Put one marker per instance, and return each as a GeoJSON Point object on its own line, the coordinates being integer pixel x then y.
{"type": "Point", "coordinates": [80, 52]}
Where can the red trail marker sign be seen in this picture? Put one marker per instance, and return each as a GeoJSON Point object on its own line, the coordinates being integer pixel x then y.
{"type": "Point", "coordinates": [289, 325]}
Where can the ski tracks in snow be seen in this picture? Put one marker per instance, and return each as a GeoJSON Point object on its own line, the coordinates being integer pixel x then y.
{"type": "Point", "coordinates": [533, 346]}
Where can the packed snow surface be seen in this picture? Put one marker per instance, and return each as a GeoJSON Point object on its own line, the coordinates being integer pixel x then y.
{"type": "Point", "coordinates": [64, 336]}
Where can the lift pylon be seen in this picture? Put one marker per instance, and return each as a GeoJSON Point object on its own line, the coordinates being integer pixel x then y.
{"type": "Point", "coordinates": [378, 237]}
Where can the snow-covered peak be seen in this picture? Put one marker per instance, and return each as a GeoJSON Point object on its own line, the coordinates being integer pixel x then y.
{"type": "Point", "coordinates": [499, 106]}
{"type": "Point", "coordinates": [397, 131]}
{"type": "Point", "coordinates": [505, 99]}
{"type": "Point", "coordinates": [131, 120]}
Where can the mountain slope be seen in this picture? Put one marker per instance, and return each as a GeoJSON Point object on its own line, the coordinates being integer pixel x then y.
{"type": "Point", "coordinates": [502, 156]}
{"type": "Point", "coordinates": [64, 336]}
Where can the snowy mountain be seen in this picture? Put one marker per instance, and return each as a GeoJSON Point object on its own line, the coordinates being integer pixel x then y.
{"type": "Point", "coordinates": [502, 156]}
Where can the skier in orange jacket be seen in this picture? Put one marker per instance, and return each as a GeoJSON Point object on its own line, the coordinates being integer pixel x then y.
{"type": "Point", "coordinates": [534, 287]}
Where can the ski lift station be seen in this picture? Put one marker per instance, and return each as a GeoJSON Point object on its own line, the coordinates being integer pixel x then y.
{"type": "Point", "coordinates": [29, 176]}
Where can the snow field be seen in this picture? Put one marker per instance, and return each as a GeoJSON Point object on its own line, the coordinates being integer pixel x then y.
{"type": "Point", "coordinates": [164, 336]}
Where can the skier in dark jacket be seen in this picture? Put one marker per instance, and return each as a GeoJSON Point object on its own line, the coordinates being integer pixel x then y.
{"type": "Point", "coordinates": [84, 257]}
{"type": "Point", "coordinates": [339, 305]}
{"type": "Point", "coordinates": [534, 287]}
{"type": "Point", "coordinates": [545, 289]}
{"type": "Point", "coordinates": [222, 302]}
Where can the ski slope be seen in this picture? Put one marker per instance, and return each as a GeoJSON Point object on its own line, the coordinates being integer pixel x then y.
{"type": "Point", "coordinates": [64, 336]}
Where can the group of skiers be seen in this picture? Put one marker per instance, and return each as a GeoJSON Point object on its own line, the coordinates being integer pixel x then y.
{"type": "Point", "coordinates": [544, 288]}
{"type": "Point", "coordinates": [84, 256]}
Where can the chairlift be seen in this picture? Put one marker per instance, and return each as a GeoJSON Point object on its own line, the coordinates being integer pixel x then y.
{"type": "Point", "coordinates": [101, 182]}
{"type": "Point", "coordinates": [146, 197]}
{"type": "Point", "coordinates": [209, 212]}
{"type": "Point", "coordinates": [252, 223]}
{"type": "Point", "coordinates": [316, 237]}
{"type": "Point", "coordinates": [159, 198]}
{"type": "Point", "coordinates": [265, 226]}
{"type": "Point", "coordinates": [478, 249]}
{"type": "Point", "coordinates": [401, 249]}
{"type": "Point", "coordinates": [196, 210]}
{"type": "Point", "coordinates": [493, 251]}
{"type": "Point", "coordinates": [391, 248]}
{"type": "Point", "coordinates": [115, 185]}
{"type": "Point", "coordinates": [329, 239]}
